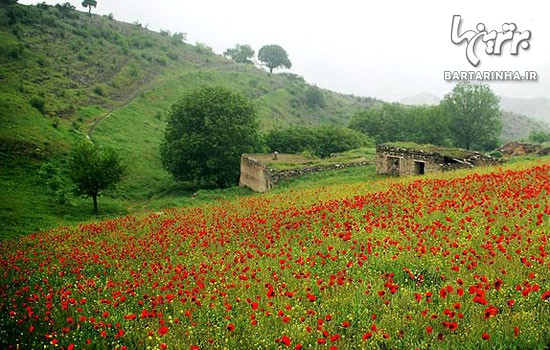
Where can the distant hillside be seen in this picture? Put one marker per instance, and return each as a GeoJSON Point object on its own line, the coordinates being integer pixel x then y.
{"type": "Point", "coordinates": [518, 127]}
{"type": "Point", "coordinates": [519, 115]}
{"type": "Point", "coordinates": [536, 108]}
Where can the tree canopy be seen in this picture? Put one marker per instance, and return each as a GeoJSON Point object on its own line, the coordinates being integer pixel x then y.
{"type": "Point", "coordinates": [475, 118]}
{"type": "Point", "coordinates": [207, 132]}
{"type": "Point", "coordinates": [240, 53]}
{"type": "Point", "coordinates": [390, 122]}
{"type": "Point", "coordinates": [274, 56]}
{"type": "Point", "coordinates": [94, 170]}
{"type": "Point", "coordinates": [89, 4]}
{"type": "Point", "coordinates": [320, 141]}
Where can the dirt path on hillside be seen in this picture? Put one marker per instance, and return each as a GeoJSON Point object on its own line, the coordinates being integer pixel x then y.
{"type": "Point", "coordinates": [131, 97]}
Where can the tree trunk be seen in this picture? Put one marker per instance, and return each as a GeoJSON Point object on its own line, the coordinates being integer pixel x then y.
{"type": "Point", "coordinates": [94, 198]}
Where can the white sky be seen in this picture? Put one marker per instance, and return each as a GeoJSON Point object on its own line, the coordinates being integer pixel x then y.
{"type": "Point", "coordinates": [384, 49]}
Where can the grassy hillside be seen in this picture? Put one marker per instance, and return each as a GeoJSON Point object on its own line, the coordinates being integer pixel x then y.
{"type": "Point", "coordinates": [64, 77]}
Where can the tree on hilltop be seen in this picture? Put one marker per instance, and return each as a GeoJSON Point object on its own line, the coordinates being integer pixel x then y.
{"type": "Point", "coordinates": [240, 54]}
{"type": "Point", "coordinates": [89, 4]}
{"type": "Point", "coordinates": [274, 56]}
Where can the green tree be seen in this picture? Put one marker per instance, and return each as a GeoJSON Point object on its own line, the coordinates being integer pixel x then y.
{"type": "Point", "coordinates": [320, 141]}
{"type": "Point", "coordinates": [274, 56]}
{"type": "Point", "coordinates": [51, 176]}
{"type": "Point", "coordinates": [240, 54]}
{"type": "Point", "coordinates": [94, 170]}
{"type": "Point", "coordinates": [383, 123]}
{"type": "Point", "coordinates": [539, 136]}
{"type": "Point", "coordinates": [208, 130]}
{"type": "Point", "coordinates": [427, 125]}
{"type": "Point", "coordinates": [475, 118]}
{"type": "Point", "coordinates": [314, 97]}
{"type": "Point", "coordinates": [89, 4]}
{"type": "Point", "coordinates": [65, 9]}
{"type": "Point", "coordinates": [332, 139]}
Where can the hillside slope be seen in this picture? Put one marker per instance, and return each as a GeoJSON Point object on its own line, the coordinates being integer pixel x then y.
{"type": "Point", "coordinates": [64, 76]}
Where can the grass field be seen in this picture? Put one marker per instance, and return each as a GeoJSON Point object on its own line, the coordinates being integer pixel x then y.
{"type": "Point", "coordinates": [455, 260]}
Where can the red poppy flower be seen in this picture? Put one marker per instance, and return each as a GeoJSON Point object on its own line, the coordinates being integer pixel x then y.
{"type": "Point", "coordinates": [367, 335]}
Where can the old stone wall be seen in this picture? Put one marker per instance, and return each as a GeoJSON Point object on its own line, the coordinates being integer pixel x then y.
{"type": "Point", "coordinates": [403, 161]}
{"type": "Point", "coordinates": [259, 178]}
{"type": "Point", "coordinates": [254, 175]}
{"type": "Point", "coordinates": [293, 173]}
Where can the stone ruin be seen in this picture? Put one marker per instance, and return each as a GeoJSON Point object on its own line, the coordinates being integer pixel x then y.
{"type": "Point", "coordinates": [261, 178]}
{"type": "Point", "coordinates": [516, 148]}
{"type": "Point", "coordinates": [403, 161]}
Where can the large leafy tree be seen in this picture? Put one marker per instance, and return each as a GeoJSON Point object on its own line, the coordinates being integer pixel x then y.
{"type": "Point", "coordinates": [475, 117]}
{"type": "Point", "coordinates": [208, 130]}
{"type": "Point", "coordinates": [320, 141]}
{"type": "Point", "coordinates": [274, 56]}
{"type": "Point", "coordinates": [240, 53]}
{"type": "Point", "coordinates": [394, 122]}
{"type": "Point", "coordinates": [94, 170]}
{"type": "Point", "coordinates": [89, 4]}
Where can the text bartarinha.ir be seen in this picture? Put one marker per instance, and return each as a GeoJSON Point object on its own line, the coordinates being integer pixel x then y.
{"type": "Point", "coordinates": [490, 75]}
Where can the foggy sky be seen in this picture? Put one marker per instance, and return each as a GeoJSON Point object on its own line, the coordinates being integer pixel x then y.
{"type": "Point", "coordinates": [384, 49]}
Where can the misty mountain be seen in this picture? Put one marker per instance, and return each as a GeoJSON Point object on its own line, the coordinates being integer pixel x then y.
{"type": "Point", "coordinates": [536, 108]}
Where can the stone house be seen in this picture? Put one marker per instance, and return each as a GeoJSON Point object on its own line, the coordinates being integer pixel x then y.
{"type": "Point", "coordinates": [400, 160]}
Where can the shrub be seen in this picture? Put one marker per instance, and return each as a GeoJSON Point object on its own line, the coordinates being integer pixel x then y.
{"type": "Point", "coordinates": [38, 103]}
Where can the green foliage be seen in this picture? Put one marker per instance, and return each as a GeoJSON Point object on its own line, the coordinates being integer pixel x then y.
{"type": "Point", "coordinates": [290, 140]}
{"type": "Point", "coordinates": [539, 136]}
{"type": "Point", "coordinates": [274, 56]}
{"type": "Point", "coordinates": [54, 181]}
{"type": "Point", "coordinates": [240, 54]}
{"type": "Point", "coordinates": [178, 38]}
{"type": "Point", "coordinates": [94, 170]}
{"type": "Point", "coordinates": [394, 122]}
{"type": "Point", "coordinates": [332, 139]}
{"type": "Point", "coordinates": [65, 9]}
{"type": "Point", "coordinates": [38, 103]}
{"type": "Point", "coordinates": [475, 118]}
{"type": "Point", "coordinates": [320, 141]}
{"type": "Point", "coordinates": [89, 4]}
{"type": "Point", "coordinates": [208, 130]}
{"type": "Point", "coordinates": [314, 97]}
{"type": "Point", "coordinates": [202, 48]}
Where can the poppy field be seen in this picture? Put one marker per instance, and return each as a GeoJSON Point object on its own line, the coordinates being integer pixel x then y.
{"type": "Point", "coordinates": [429, 263]}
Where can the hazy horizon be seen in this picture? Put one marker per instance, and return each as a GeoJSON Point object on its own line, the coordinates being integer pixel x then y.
{"type": "Point", "coordinates": [390, 51]}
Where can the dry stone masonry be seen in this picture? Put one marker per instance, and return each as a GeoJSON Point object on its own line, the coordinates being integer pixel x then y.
{"type": "Point", "coordinates": [260, 178]}
{"type": "Point", "coordinates": [402, 161]}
